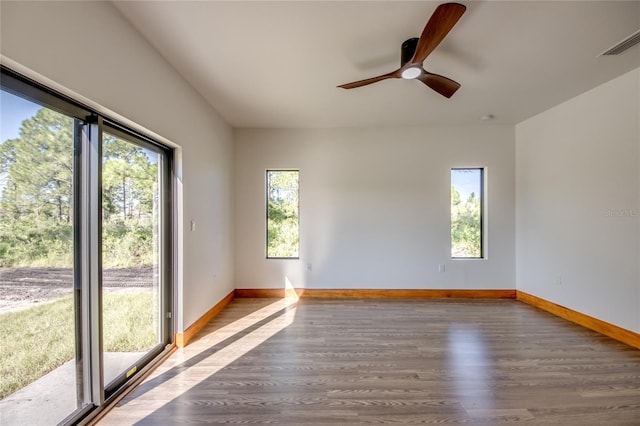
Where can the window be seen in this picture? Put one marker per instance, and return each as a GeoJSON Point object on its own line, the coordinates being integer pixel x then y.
{"type": "Point", "coordinates": [283, 235]}
{"type": "Point", "coordinates": [466, 213]}
{"type": "Point", "coordinates": [85, 246]}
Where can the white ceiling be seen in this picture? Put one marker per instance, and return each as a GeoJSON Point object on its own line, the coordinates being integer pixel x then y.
{"type": "Point", "coordinates": [277, 64]}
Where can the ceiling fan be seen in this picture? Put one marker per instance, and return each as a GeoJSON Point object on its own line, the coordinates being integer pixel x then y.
{"type": "Point", "coordinates": [416, 50]}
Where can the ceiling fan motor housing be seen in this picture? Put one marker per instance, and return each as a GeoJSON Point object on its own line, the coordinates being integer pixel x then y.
{"type": "Point", "coordinates": [408, 49]}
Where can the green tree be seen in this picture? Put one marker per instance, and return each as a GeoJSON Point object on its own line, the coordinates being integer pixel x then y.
{"type": "Point", "coordinates": [465, 225]}
{"type": "Point", "coordinates": [282, 214]}
{"type": "Point", "coordinates": [128, 180]}
{"type": "Point", "coordinates": [129, 199]}
{"type": "Point", "coordinates": [39, 168]}
{"type": "Point", "coordinates": [36, 205]}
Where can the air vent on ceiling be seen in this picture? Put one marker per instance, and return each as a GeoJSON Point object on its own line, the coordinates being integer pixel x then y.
{"type": "Point", "coordinates": [625, 44]}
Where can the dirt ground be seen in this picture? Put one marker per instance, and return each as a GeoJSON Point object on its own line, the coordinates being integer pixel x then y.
{"type": "Point", "coordinates": [22, 287]}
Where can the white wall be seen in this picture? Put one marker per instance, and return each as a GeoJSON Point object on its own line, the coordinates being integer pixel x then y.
{"type": "Point", "coordinates": [374, 202]}
{"type": "Point", "coordinates": [90, 49]}
{"type": "Point", "coordinates": [578, 203]}
{"type": "Point", "coordinates": [374, 207]}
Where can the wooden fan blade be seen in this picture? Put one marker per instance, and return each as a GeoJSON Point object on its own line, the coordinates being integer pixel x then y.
{"type": "Point", "coordinates": [443, 19]}
{"type": "Point", "coordinates": [443, 85]}
{"type": "Point", "coordinates": [394, 74]}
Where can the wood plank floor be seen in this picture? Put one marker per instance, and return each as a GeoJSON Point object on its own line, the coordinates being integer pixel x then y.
{"type": "Point", "coordinates": [347, 362]}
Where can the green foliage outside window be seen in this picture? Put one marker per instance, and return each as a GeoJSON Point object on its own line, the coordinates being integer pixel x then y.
{"type": "Point", "coordinates": [36, 213]}
{"type": "Point", "coordinates": [282, 214]}
{"type": "Point", "coordinates": [36, 202]}
{"type": "Point", "coordinates": [129, 199]}
{"type": "Point", "coordinates": [466, 225]}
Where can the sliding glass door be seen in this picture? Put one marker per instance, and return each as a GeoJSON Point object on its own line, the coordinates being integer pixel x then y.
{"type": "Point", "coordinates": [134, 189]}
{"type": "Point", "coordinates": [85, 255]}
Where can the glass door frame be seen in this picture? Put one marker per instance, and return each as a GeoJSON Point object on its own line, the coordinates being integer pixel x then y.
{"type": "Point", "coordinates": [165, 249]}
{"type": "Point", "coordinates": [87, 222]}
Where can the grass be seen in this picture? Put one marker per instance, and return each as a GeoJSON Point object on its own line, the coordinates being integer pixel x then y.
{"type": "Point", "coordinates": [40, 339]}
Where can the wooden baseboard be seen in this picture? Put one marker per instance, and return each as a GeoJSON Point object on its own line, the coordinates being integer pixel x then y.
{"type": "Point", "coordinates": [379, 293]}
{"type": "Point", "coordinates": [260, 293]}
{"type": "Point", "coordinates": [182, 339]}
{"type": "Point", "coordinates": [618, 333]}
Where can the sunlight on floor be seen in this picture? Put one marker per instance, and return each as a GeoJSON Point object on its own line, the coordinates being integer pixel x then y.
{"type": "Point", "coordinates": [181, 372]}
{"type": "Point", "coordinates": [216, 336]}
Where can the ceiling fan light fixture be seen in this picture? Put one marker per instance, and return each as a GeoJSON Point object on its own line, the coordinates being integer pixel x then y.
{"type": "Point", "coordinates": [411, 73]}
{"type": "Point", "coordinates": [415, 51]}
